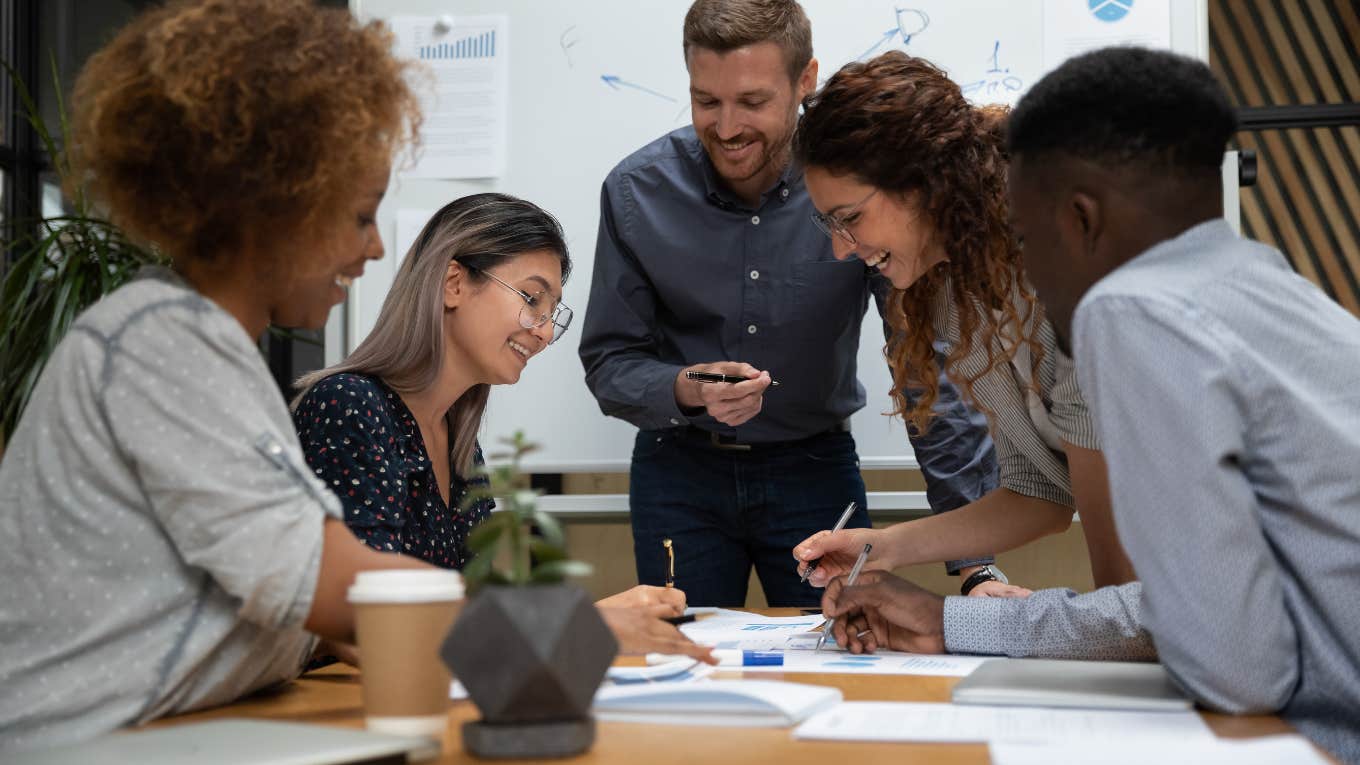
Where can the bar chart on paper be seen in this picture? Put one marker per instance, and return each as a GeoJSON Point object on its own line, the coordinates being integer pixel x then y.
{"type": "Point", "coordinates": [477, 45]}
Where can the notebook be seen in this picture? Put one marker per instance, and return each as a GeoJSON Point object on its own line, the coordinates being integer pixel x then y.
{"type": "Point", "coordinates": [243, 742]}
{"type": "Point", "coordinates": [1057, 683]}
{"type": "Point", "coordinates": [740, 703]}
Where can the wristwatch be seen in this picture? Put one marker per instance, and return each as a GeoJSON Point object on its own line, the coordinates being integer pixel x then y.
{"type": "Point", "coordinates": [984, 574]}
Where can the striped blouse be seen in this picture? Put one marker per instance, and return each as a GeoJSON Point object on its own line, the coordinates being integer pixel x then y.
{"type": "Point", "coordinates": [1027, 427]}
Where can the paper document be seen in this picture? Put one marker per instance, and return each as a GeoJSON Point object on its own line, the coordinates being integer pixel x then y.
{"type": "Point", "coordinates": [465, 98]}
{"type": "Point", "coordinates": [1132, 749]}
{"type": "Point", "coordinates": [797, 636]}
{"type": "Point", "coordinates": [906, 721]}
{"type": "Point", "coordinates": [753, 703]}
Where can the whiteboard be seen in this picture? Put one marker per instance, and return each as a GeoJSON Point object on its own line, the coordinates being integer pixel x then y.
{"type": "Point", "coordinates": [591, 81]}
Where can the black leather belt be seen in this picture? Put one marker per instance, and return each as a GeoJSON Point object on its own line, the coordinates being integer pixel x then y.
{"type": "Point", "coordinates": [724, 441]}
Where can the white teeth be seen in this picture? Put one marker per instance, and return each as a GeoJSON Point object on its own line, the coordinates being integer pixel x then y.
{"type": "Point", "coordinates": [735, 146]}
{"type": "Point", "coordinates": [343, 281]}
{"type": "Point", "coordinates": [877, 260]}
{"type": "Point", "coordinates": [521, 350]}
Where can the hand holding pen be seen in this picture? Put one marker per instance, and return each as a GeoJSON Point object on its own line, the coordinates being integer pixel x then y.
{"type": "Point", "coordinates": [849, 582]}
{"type": "Point", "coordinates": [730, 403]}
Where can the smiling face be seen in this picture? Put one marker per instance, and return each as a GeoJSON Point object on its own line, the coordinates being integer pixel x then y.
{"type": "Point", "coordinates": [744, 109]}
{"type": "Point", "coordinates": [891, 233]}
{"type": "Point", "coordinates": [483, 331]}
{"type": "Point", "coordinates": [338, 250]}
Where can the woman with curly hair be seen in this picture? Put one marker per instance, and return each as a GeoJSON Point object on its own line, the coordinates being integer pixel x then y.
{"type": "Point", "coordinates": [910, 178]}
{"type": "Point", "coordinates": [166, 547]}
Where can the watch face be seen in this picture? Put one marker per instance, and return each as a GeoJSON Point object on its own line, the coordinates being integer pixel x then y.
{"type": "Point", "coordinates": [1000, 577]}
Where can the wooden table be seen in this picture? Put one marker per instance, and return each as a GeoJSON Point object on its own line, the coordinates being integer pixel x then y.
{"type": "Point", "coordinates": [331, 697]}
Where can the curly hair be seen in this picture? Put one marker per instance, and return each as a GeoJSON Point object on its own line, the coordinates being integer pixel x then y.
{"type": "Point", "coordinates": [900, 124]}
{"type": "Point", "coordinates": [204, 120]}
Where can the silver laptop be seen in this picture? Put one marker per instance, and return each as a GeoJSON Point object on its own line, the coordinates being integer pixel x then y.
{"type": "Point", "coordinates": [227, 742]}
{"type": "Point", "coordinates": [1087, 684]}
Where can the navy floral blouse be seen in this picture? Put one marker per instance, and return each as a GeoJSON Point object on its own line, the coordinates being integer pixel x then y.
{"type": "Point", "coordinates": [364, 443]}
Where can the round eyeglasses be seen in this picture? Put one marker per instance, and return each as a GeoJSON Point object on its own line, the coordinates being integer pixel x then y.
{"type": "Point", "coordinates": [839, 224]}
{"type": "Point", "coordinates": [539, 308]}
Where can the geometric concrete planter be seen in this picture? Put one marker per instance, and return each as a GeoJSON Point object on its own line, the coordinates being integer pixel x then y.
{"type": "Point", "coordinates": [531, 658]}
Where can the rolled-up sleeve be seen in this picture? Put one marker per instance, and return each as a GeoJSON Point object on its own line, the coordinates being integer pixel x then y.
{"type": "Point", "coordinates": [618, 346]}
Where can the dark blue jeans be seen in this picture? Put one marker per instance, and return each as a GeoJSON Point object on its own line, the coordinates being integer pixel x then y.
{"type": "Point", "coordinates": [727, 510]}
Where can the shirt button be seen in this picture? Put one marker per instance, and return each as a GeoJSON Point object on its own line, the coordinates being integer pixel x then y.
{"type": "Point", "coordinates": [755, 220]}
{"type": "Point", "coordinates": [674, 421]}
{"type": "Point", "coordinates": [751, 329]}
{"type": "Point", "coordinates": [755, 274]}
{"type": "Point", "coordinates": [784, 193]}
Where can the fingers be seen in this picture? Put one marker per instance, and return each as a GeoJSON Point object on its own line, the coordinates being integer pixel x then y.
{"type": "Point", "coordinates": [660, 610]}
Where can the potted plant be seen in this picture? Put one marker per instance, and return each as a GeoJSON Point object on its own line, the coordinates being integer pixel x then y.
{"type": "Point", "coordinates": [58, 267]}
{"type": "Point", "coordinates": [530, 649]}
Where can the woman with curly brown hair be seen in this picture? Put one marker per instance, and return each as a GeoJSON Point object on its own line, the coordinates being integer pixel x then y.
{"type": "Point", "coordinates": [910, 178]}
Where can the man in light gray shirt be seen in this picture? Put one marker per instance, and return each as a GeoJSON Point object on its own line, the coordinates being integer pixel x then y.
{"type": "Point", "coordinates": [1223, 387]}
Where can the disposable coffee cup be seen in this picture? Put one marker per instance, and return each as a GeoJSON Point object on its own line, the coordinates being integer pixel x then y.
{"type": "Point", "coordinates": [402, 617]}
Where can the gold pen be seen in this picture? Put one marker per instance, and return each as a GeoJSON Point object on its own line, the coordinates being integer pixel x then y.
{"type": "Point", "coordinates": [670, 562]}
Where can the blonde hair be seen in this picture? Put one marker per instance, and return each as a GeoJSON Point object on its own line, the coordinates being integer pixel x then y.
{"type": "Point", "coordinates": [405, 349]}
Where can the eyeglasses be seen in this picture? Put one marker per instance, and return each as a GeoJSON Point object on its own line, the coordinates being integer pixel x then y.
{"type": "Point", "coordinates": [839, 225]}
{"type": "Point", "coordinates": [539, 308]}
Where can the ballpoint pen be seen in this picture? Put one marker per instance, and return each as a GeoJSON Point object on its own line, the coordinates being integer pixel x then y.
{"type": "Point", "coordinates": [840, 524]}
{"type": "Point", "coordinates": [849, 582]}
{"type": "Point", "coordinates": [714, 377]}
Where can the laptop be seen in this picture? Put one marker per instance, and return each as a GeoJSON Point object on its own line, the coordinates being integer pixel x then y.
{"type": "Point", "coordinates": [1058, 683]}
{"type": "Point", "coordinates": [228, 742]}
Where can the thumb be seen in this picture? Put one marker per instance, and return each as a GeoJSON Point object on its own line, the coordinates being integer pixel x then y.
{"type": "Point", "coordinates": [812, 547]}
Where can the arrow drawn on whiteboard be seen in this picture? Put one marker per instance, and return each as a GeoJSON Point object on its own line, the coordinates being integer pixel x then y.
{"type": "Point", "coordinates": [567, 44]}
{"type": "Point", "coordinates": [615, 82]}
{"type": "Point", "coordinates": [910, 22]}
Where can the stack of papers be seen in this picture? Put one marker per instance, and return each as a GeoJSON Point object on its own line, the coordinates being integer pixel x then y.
{"type": "Point", "coordinates": [1133, 749]}
{"type": "Point", "coordinates": [749, 703]}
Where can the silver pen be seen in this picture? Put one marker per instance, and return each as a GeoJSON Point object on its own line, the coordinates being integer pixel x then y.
{"type": "Point", "coordinates": [845, 518]}
{"type": "Point", "coordinates": [849, 582]}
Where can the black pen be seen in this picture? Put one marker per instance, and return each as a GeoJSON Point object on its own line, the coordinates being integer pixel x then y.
{"type": "Point", "coordinates": [714, 377]}
{"type": "Point", "coordinates": [678, 620]}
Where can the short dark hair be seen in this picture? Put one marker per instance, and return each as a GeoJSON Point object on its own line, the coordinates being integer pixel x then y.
{"type": "Point", "coordinates": [725, 25]}
{"type": "Point", "coordinates": [1127, 105]}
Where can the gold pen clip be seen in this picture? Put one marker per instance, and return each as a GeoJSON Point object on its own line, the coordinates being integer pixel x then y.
{"type": "Point", "coordinates": [670, 562]}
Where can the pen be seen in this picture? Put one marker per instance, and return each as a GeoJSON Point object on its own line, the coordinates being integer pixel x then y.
{"type": "Point", "coordinates": [679, 620]}
{"type": "Point", "coordinates": [812, 565]}
{"type": "Point", "coordinates": [714, 377]}
{"type": "Point", "coordinates": [849, 582]}
{"type": "Point", "coordinates": [670, 562]}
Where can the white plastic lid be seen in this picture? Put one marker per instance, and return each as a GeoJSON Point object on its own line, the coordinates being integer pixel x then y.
{"type": "Point", "coordinates": [406, 586]}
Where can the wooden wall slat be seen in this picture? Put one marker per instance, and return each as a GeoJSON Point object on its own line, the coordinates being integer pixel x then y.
{"type": "Point", "coordinates": [1307, 198]}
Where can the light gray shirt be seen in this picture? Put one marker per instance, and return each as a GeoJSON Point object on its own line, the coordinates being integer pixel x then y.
{"type": "Point", "coordinates": [1226, 390]}
{"type": "Point", "coordinates": [162, 531]}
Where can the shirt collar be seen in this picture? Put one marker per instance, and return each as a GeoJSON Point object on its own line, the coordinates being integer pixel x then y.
{"type": "Point", "coordinates": [717, 192]}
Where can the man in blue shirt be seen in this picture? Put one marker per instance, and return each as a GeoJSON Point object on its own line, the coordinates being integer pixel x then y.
{"type": "Point", "coordinates": [708, 260]}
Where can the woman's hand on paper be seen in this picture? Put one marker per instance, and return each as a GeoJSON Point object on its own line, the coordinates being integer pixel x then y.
{"type": "Point", "coordinates": [838, 551]}
{"type": "Point", "coordinates": [639, 632]}
{"type": "Point", "coordinates": [656, 601]}
{"type": "Point", "coordinates": [884, 611]}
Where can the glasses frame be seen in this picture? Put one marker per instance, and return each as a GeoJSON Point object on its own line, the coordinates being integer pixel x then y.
{"type": "Point", "coordinates": [835, 225]}
{"type": "Point", "coordinates": [527, 318]}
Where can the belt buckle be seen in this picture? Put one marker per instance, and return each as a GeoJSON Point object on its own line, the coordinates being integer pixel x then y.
{"type": "Point", "coordinates": [714, 439]}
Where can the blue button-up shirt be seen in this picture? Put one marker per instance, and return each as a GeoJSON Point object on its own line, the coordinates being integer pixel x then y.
{"type": "Point", "coordinates": [686, 273]}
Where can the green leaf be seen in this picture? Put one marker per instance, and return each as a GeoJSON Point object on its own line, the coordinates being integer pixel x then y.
{"type": "Point", "coordinates": [487, 536]}
{"type": "Point", "coordinates": [545, 552]}
{"type": "Point", "coordinates": [558, 570]}
{"type": "Point", "coordinates": [549, 529]}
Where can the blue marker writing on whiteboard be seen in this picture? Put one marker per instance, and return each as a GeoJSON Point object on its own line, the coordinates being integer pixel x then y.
{"type": "Point", "coordinates": [732, 657]}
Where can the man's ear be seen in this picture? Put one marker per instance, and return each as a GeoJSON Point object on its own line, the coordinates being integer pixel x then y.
{"type": "Point", "coordinates": [1088, 220]}
{"type": "Point", "coordinates": [455, 284]}
{"type": "Point", "coordinates": [807, 81]}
